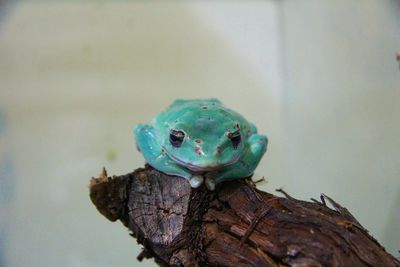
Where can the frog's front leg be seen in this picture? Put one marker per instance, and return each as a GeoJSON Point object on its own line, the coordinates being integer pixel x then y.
{"type": "Point", "coordinates": [245, 166]}
{"type": "Point", "coordinates": [149, 145]}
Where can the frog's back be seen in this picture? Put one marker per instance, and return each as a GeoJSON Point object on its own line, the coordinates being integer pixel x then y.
{"type": "Point", "coordinates": [190, 102]}
{"type": "Point", "coordinates": [184, 110]}
{"type": "Point", "coordinates": [210, 113]}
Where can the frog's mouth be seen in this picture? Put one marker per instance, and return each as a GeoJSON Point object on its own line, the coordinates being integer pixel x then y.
{"type": "Point", "coordinates": [202, 168]}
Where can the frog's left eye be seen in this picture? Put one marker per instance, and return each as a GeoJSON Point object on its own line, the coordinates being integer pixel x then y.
{"type": "Point", "coordinates": [176, 137]}
{"type": "Point", "coordinates": [235, 138]}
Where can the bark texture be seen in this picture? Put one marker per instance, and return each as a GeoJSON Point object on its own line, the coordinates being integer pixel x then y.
{"type": "Point", "coordinates": [236, 225]}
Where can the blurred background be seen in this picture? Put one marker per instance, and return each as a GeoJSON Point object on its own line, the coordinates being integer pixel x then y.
{"type": "Point", "coordinates": [320, 78]}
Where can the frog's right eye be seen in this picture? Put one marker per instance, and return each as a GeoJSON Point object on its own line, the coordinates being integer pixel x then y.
{"type": "Point", "coordinates": [176, 138]}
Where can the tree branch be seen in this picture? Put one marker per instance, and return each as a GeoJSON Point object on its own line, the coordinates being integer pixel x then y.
{"type": "Point", "coordinates": [235, 225]}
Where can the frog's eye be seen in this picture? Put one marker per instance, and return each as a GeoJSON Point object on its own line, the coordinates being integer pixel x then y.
{"type": "Point", "coordinates": [235, 138]}
{"type": "Point", "coordinates": [176, 138]}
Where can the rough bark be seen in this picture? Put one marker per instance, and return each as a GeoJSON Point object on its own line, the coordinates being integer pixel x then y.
{"type": "Point", "coordinates": [236, 225]}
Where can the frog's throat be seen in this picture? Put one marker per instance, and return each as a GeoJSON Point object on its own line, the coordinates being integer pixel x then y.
{"type": "Point", "coordinates": [197, 168]}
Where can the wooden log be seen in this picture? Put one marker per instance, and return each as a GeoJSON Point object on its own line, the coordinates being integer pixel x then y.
{"type": "Point", "coordinates": [235, 225]}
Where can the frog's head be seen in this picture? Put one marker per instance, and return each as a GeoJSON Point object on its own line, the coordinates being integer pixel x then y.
{"type": "Point", "coordinates": [204, 143]}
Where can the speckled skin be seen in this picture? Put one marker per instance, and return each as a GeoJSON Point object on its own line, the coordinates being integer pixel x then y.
{"type": "Point", "coordinates": [207, 151]}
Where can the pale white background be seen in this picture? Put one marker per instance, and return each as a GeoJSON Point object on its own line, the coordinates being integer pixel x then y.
{"type": "Point", "coordinates": [319, 78]}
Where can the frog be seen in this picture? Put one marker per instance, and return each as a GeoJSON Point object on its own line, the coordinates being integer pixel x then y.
{"type": "Point", "coordinates": [202, 141]}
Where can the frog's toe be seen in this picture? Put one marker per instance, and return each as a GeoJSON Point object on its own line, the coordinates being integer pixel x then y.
{"type": "Point", "coordinates": [210, 184]}
{"type": "Point", "coordinates": [196, 180]}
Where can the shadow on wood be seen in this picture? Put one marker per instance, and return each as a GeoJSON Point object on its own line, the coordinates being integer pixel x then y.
{"type": "Point", "coordinates": [235, 225]}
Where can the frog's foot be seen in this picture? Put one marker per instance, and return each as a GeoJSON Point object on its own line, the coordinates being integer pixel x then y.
{"type": "Point", "coordinates": [210, 183]}
{"type": "Point", "coordinates": [196, 180]}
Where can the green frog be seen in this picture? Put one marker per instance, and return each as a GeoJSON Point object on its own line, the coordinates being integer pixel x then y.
{"type": "Point", "coordinates": [201, 140]}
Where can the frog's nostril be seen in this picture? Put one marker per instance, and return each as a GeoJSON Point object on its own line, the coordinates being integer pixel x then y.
{"type": "Point", "coordinates": [218, 150]}
{"type": "Point", "coordinates": [198, 149]}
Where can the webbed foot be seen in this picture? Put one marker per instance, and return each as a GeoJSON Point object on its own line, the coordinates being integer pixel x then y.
{"type": "Point", "coordinates": [210, 183]}
{"type": "Point", "coordinates": [196, 180]}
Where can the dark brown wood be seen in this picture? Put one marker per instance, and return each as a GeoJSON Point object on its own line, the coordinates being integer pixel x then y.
{"type": "Point", "coordinates": [235, 225]}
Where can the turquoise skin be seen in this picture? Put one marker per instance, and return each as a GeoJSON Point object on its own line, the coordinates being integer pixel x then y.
{"type": "Point", "coordinates": [201, 140]}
